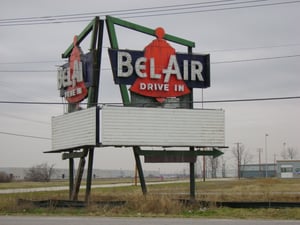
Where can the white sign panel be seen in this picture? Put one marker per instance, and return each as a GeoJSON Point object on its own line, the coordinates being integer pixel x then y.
{"type": "Point", "coordinates": [131, 126]}
{"type": "Point", "coordinates": [75, 130]}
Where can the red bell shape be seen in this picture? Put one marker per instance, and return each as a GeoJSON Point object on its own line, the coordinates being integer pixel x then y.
{"type": "Point", "coordinates": [156, 84]}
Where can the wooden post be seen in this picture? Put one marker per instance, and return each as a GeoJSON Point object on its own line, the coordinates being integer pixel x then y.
{"type": "Point", "coordinates": [96, 45]}
{"type": "Point", "coordinates": [204, 168]}
{"type": "Point", "coordinates": [192, 165]}
{"type": "Point", "coordinates": [78, 178]}
{"type": "Point", "coordinates": [71, 176]}
{"type": "Point", "coordinates": [192, 178]}
{"type": "Point", "coordinates": [96, 26]}
{"type": "Point", "coordinates": [140, 169]}
{"type": "Point", "coordinates": [89, 175]}
{"type": "Point", "coordinates": [71, 108]}
{"type": "Point", "coordinates": [135, 175]}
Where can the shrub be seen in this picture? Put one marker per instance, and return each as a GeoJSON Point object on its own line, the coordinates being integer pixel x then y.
{"type": "Point", "coordinates": [4, 177]}
{"type": "Point", "coordinates": [39, 173]}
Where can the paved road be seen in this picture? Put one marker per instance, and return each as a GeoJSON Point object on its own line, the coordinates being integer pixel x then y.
{"type": "Point", "coordinates": [24, 190]}
{"type": "Point", "coordinates": [18, 220]}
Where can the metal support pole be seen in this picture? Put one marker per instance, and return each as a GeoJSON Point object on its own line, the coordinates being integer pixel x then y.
{"type": "Point", "coordinates": [71, 108]}
{"type": "Point", "coordinates": [89, 175]}
{"type": "Point", "coordinates": [204, 168]}
{"type": "Point", "coordinates": [96, 45]}
{"type": "Point", "coordinates": [96, 26]}
{"type": "Point", "coordinates": [192, 165]}
{"type": "Point", "coordinates": [71, 177]}
{"type": "Point", "coordinates": [140, 169]}
{"type": "Point", "coordinates": [135, 175]}
{"type": "Point", "coordinates": [192, 179]}
{"type": "Point", "coordinates": [78, 178]}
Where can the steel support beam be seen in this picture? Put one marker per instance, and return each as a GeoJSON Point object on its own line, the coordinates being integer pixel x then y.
{"type": "Point", "coordinates": [71, 176]}
{"type": "Point", "coordinates": [136, 150]}
{"type": "Point", "coordinates": [78, 177]}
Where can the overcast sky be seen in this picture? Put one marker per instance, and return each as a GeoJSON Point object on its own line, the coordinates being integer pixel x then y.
{"type": "Point", "coordinates": [254, 51]}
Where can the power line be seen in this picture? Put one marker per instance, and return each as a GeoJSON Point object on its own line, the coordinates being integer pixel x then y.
{"type": "Point", "coordinates": [249, 99]}
{"type": "Point", "coordinates": [23, 135]}
{"type": "Point", "coordinates": [256, 59]}
{"type": "Point", "coordinates": [110, 12]}
{"type": "Point", "coordinates": [252, 48]}
{"type": "Point", "coordinates": [214, 10]}
{"type": "Point", "coordinates": [33, 103]}
{"type": "Point", "coordinates": [27, 71]}
{"type": "Point", "coordinates": [31, 62]}
{"type": "Point", "coordinates": [210, 101]}
{"type": "Point", "coordinates": [144, 12]}
{"type": "Point", "coordinates": [212, 50]}
{"type": "Point", "coordinates": [217, 62]}
{"type": "Point", "coordinates": [23, 118]}
{"type": "Point", "coordinates": [207, 101]}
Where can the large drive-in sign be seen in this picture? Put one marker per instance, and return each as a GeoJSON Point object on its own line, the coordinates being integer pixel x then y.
{"type": "Point", "coordinates": [160, 80]}
{"type": "Point", "coordinates": [159, 71]}
{"type": "Point", "coordinates": [136, 126]}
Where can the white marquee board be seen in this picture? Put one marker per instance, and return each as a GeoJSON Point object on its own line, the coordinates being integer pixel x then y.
{"type": "Point", "coordinates": [75, 130]}
{"type": "Point", "coordinates": [132, 126]}
{"type": "Point", "coordinates": [135, 126]}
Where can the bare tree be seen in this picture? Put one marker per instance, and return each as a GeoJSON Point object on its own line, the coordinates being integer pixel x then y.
{"type": "Point", "coordinates": [289, 153]}
{"type": "Point", "coordinates": [241, 155]}
{"type": "Point", "coordinates": [41, 172]}
{"type": "Point", "coordinates": [214, 164]}
{"type": "Point", "coordinates": [223, 167]}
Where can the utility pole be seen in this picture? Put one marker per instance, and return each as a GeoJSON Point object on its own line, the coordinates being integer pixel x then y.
{"type": "Point", "coordinates": [259, 157]}
{"type": "Point", "coordinates": [275, 165]}
{"type": "Point", "coordinates": [266, 153]}
{"type": "Point", "coordinates": [238, 159]}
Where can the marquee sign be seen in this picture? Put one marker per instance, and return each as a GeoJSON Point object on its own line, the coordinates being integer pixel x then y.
{"type": "Point", "coordinates": [159, 71]}
{"type": "Point", "coordinates": [138, 126]}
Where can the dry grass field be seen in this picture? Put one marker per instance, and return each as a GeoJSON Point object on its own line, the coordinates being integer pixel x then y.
{"type": "Point", "coordinates": [162, 199]}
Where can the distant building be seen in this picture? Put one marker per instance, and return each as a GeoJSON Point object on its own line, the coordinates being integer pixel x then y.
{"type": "Point", "coordinates": [258, 170]}
{"type": "Point", "coordinates": [288, 168]}
{"type": "Point", "coordinates": [282, 169]}
{"type": "Point", "coordinates": [15, 172]}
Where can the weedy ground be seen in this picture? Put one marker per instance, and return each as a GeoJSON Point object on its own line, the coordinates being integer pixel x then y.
{"type": "Point", "coordinates": [162, 200]}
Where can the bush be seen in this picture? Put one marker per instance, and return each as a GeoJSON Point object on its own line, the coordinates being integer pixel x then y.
{"type": "Point", "coordinates": [4, 177]}
{"type": "Point", "coordinates": [39, 173]}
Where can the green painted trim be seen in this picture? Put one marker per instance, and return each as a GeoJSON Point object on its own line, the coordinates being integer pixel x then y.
{"type": "Point", "coordinates": [72, 155]}
{"type": "Point", "coordinates": [125, 95]}
{"type": "Point", "coordinates": [215, 153]}
{"type": "Point", "coordinates": [112, 34]}
{"type": "Point", "coordinates": [80, 37]}
{"type": "Point", "coordinates": [112, 20]}
{"type": "Point", "coordinates": [114, 44]}
{"type": "Point", "coordinates": [96, 35]}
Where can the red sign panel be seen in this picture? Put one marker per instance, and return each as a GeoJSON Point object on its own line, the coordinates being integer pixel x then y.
{"type": "Point", "coordinates": [158, 55]}
{"type": "Point", "coordinates": [71, 79]}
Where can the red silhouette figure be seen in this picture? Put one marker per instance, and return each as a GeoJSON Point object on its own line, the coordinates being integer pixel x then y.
{"type": "Point", "coordinates": [159, 88]}
{"type": "Point", "coordinates": [77, 90]}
